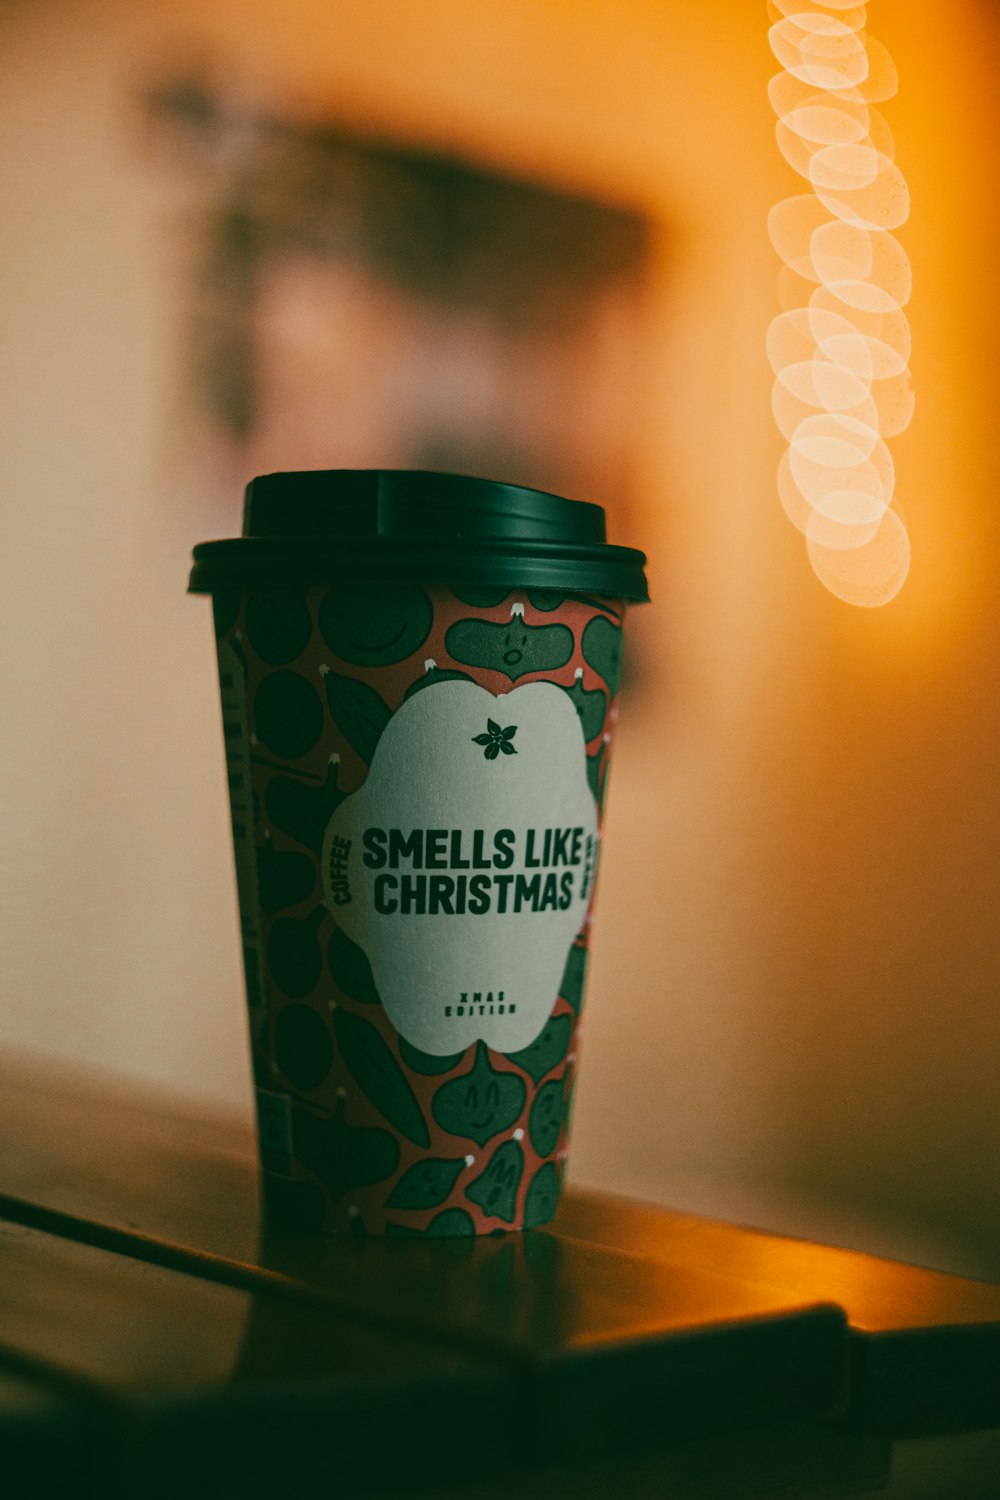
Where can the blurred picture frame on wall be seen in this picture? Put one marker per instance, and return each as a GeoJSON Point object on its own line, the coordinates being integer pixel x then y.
{"type": "Point", "coordinates": [361, 303]}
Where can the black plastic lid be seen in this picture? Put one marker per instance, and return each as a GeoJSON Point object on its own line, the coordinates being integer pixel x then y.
{"type": "Point", "coordinates": [406, 525]}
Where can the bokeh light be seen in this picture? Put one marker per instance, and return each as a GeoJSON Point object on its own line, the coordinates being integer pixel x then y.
{"type": "Point", "coordinates": [840, 349]}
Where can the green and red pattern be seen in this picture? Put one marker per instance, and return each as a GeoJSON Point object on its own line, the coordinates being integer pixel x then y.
{"type": "Point", "coordinates": [361, 1132]}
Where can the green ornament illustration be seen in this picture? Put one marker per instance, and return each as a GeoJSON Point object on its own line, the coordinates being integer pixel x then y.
{"type": "Point", "coordinates": [225, 610]}
{"type": "Point", "coordinates": [481, 1103]}
{"type": "Point", "coordinates": [375, 624]}
{"type": "Point", "coordinates": [450, 1222]}
{"type": "Point", "coordinates": [235, 645]}
{"type": "Point", "coordinates": [546, 600]}
{"type": "Point", "coordinates": [426, 1063]}
{"type": "Point", "coordinates": [372, 1065]}
{"type": "Point", "coordinates": [351, 970]}
{"type": "Point", "coordinates": [496, 740]}
{"type": "Point", "coordinates": [303, 1049]}
{"type": "Point", "coordinates": [278, 624]}
{"type": "Point", "coordinates": [358, 712]}
{"type": "Point", "coordinates": [343, 1156]}
{"type": "Point", "coordinates": [287, 715]}
{"type": "Point", "coordinates": [304, 811]}
{"type": "Point", "coordinates": [495, 1189]}
{"type": "Point", "coordinates": [574, 974]}
{"type": "Point", "coordinates": [590, 704]}
{"type": "Point", "coordinates": [293, 953]}
{"type": "Point", "coordinates": [283, 879]}
{"type": "Point", "coordinates": [433, 674]}
{"type": "Point", "coordinates": [548, 1048]}
{"type": "Point", "coordinates": [594, 775]}
{"type": "Point", "coordinates": [542, 1196]}
{"type": "Point", "coordinates": [545, 1119]}
{"type": "Point", "coordinates": [481, 597]}
{"type": "Point", "coordinates": [602, 649]}
{"type": "Point", "coordinates": [427, 1183]}
{"type": "Point", "coordinates": [514, 648]}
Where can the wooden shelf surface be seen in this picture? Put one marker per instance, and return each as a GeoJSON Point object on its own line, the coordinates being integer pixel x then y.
{"type": "Point", "coordinates": [139, 1285]}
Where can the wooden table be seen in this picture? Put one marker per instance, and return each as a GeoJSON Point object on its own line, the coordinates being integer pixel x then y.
{"type": "Point", "coordinates": [157, 1339]}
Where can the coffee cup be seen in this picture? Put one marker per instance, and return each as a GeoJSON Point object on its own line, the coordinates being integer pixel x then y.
{"type": "Point", "coordinates": [418, 677]}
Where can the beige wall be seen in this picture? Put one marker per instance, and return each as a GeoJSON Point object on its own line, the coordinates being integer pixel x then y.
{"type": "Point", "coordinates": [792, 1012]}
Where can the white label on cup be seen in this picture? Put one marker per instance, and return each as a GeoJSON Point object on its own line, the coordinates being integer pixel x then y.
{"type": "Point", "coordinates": [464, 865]}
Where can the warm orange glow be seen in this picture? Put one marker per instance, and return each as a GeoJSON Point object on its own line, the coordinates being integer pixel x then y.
{"type": "Point", "coordinates": [840, 352]}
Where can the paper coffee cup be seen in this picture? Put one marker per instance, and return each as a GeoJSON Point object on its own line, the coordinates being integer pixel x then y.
{"type": "Point", "coordinates": [418, 678]}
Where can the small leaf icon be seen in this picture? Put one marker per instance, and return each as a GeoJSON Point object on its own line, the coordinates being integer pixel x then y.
{"type": "Point", "coordinates": [496, 739]}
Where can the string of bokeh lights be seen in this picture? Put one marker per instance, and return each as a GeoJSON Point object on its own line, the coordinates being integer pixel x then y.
{"type": "Point", "coordinates": [840, 349]}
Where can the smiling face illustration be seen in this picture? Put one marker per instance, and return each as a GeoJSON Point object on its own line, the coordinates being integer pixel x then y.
{"type": "Point", "coordinates": [481, 1103]}
{"type": "Point", "coordinates": [375, 624]}
{"type": "Point", "coordinates": [513, 648]}
{"type": "Point", "coordinates": [486, 1107]}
